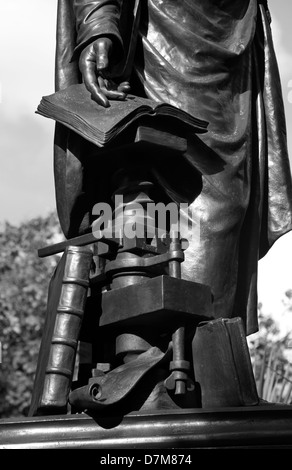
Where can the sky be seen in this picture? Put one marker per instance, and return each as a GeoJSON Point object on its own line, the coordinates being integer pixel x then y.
{"type": "Point", "coordinates": [27, 47]}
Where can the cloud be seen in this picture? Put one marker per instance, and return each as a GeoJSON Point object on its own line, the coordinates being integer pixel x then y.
{"type": "Point", "coordinates": [27, 73]}
{"type": "Point", "coordinates": [284, 55]}
{"type": "Point", "coordinates": [26, 178]}
{"type": "Point", "coordinates": [275, 279]}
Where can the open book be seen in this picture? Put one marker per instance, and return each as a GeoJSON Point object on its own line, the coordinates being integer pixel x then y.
{"type": "Point", "coordinates": [75, 108]}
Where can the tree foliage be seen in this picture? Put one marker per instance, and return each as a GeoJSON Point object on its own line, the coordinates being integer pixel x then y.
{"type": "Point", "coordinates": [268, 349]}
{"type": "Point", "coordinates": [24, 280]}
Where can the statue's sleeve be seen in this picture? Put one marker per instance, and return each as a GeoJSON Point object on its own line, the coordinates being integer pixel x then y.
{"type": "Point", "coordinates": [94, 19]}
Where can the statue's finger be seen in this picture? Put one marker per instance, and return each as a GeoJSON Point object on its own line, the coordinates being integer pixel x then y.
{"type": "Point", "coordinates": [124, 87]}
{"type": "Point", "coordinates": [113, 94]}
{"type": "Point", "coordinates": [109, 89]}
{"type": "Point", "coordinates": [92, 86]}
{"type": "Point", "coordinates": [111, 85]}
{"type": "Point", "coordinates": [125, 84]}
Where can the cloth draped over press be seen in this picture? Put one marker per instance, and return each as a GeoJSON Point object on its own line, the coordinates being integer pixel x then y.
{"type": "Point", "coordinates": [216, 61]}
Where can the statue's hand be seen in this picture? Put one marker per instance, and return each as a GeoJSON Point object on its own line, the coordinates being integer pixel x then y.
{"type": "Point", "coordinates": [94, 63]}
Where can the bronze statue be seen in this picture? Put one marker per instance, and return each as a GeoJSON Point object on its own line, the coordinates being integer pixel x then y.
{"type": "Point", "coordinates": [215, 60]}
{"type": "Point", "coordinates": [144, 303]}
{"type": "Point", "coordinates": [166, 325]}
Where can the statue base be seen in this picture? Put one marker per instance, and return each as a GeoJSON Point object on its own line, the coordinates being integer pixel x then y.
{"type": "Point", "coordinates": [263, 426]}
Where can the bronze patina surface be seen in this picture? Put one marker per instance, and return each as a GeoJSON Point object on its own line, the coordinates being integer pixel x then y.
{"type": "Point", "coordinates": [147, 295]}
{"type": "Point", "coordinates": [217, 61]}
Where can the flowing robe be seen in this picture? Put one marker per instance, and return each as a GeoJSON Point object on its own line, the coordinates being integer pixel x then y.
{"type": "Point", "coordinates": [214, 59]}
